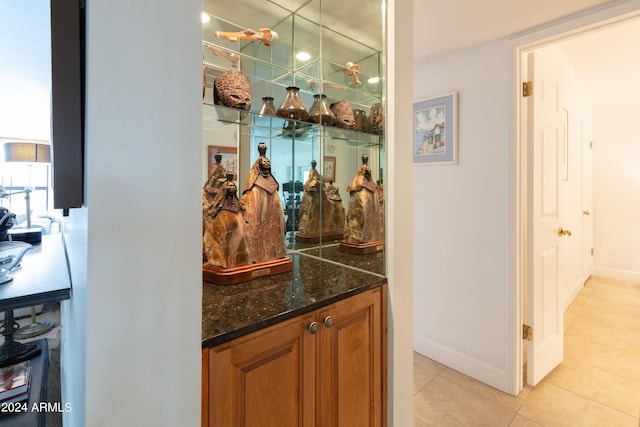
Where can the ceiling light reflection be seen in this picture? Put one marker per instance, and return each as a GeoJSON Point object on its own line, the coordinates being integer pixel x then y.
{"type": "Point", "coordinates": [303, 56]}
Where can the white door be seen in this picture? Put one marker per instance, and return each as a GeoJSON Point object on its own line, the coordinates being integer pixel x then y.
{"type": "Point", "coordinates": [545, 129]}
{"type": "Point", "coordinates": [587, 202]}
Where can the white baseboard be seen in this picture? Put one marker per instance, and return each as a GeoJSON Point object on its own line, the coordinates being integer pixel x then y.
{"type": "Point", "coordinates": [611, 273]}
{"type": "Point", "coordinates": [573, 293]}
{"type": "Point", "coordinates": [469, 366]}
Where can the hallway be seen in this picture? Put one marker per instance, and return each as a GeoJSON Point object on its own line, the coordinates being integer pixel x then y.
{"type": "Point", "coordinates": [597, 384]}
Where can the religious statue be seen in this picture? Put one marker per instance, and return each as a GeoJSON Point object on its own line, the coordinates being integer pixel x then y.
{"type": "Point", "coordinates": [321, 210]}
{"type": "Point", "coordinates": [263, 211]}
{"type": "Point", "coordinates": [242, 239]}
{"type": "Point", "coordinates": [225, 238]}
{"type": "Point", "coordinates": [214, 187]}
{"type": "Point", "coordinates": [365, 222]}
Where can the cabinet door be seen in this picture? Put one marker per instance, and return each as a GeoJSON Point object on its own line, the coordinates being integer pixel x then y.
{"type": "Point", "coordinates": [349, 389]}
{"type": "Point", "coordinates": [265, 378]}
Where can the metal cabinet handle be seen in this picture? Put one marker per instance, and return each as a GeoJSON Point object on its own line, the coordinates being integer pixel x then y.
{"type": "Point", "coordinates": [563, 232]}
{"type": "Point", "coordinates": [313, 328]}
{"type": "Point", "coordinates": [327, 322]}
{"type": "Point", "coordinates": [586, 212]}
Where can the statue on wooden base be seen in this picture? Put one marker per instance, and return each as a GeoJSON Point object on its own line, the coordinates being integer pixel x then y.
{"type": "Point", "coordinates": [243, 239]}
{"type": "Point", "coordinates": [263, 210]}
{"type": "Point", "coordinates": [364, 230]}
{"type": "Point", "coordinates": [321, 210]}
{"type": "Point", "coordinates": [225, 240]}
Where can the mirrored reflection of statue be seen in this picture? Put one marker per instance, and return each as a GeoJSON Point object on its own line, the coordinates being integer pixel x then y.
{"type": "Point", "coordinates": [333, 193]}
{"type": "Point", "coordinates": [321, 210]}
{"type": "Point", "coordinates": [263, 211]}
{"type": "Point", "coordinates": [214, 187]}
{"type": "Point", "coordinates": [381, 198]}
{"type": "Point", "coordinates": [225, 238]}
{"type": "Point", "coordinates": [211, 190]}
{"type": "Point", "coordinates": [365, 222]}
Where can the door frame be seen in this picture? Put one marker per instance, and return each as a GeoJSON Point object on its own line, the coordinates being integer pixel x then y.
{"type": "Point", "coordinates": [582, 23]}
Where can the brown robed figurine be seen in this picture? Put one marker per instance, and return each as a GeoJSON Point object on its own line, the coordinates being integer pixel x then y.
{"type": "Point", "coordinates": [321, 210]}
{"type": "Point", "coordinates": [364, 231]}
{"type": "Point", "coordinates": [263, 211]}
{"type": "Point", "coordinates": [243, 239]}
{"type": "Point", "coordinates": [225, 238]}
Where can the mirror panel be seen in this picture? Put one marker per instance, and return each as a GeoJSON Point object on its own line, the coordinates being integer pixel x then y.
{"type": "Point", "coordinates": [338, 37]}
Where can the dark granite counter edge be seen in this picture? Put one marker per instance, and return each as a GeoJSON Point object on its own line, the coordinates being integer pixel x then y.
{"type": "Point", "coordinates": [236, 333]}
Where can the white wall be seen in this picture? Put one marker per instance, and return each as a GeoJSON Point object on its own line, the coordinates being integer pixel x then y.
{"type": "Point", "coordinates": [460, 221]}
{"type": "Point", "coordinates": [399, 233]}
{"type": "Point", "coordinates": [132, 354]}
{"type": "Point", "coordinates": [73, 317]}
{"type": "Point", "coordinates": [616, 178]}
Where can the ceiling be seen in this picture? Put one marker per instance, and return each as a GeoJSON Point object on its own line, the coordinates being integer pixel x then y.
{"type": "Point", "coordinates": [607, 60]}
{"type": "Point", "coordinates": [463, 23]}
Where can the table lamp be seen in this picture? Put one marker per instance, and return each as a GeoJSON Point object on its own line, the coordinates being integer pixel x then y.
{"type": "Point", "coordinates": [28, 153]}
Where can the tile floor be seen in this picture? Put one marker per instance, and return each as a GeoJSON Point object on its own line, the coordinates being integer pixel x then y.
{"type": "Point", "coordinates": [597, 384]}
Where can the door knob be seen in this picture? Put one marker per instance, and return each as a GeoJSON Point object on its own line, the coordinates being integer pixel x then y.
{"type": "Point", "coordinates": [327, 322]}
{"type": "Point", "coordinates": [313, 328]}
{"type": "Point", "coordinates": [586, 212]}
{"type": "Point", "coordinates": [563, 232]}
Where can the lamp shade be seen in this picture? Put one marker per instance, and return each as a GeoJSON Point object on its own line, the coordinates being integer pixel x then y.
{"type": "Point", "coordinates": [27, 152]}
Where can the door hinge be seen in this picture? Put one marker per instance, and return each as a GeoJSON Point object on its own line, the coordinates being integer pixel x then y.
{"type": "Point", "coordinates": [527, 89]}
{"type": "Point", "coordinates": [527, 333]}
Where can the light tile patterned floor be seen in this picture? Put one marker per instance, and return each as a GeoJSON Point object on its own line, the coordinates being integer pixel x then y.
{"type": "Point", "coordinates": [597, 384]}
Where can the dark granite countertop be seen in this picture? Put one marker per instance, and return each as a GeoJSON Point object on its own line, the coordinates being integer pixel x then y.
{"type": "Point", "coordinates": [235, 310]}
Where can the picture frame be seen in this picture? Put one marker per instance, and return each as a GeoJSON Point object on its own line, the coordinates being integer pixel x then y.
{"type": "Point", "coordinates": [229, 159]}
{"type": "Point", "coordinates": [329, 169]}
{"type": "Point", "coordinates": [435, 125]}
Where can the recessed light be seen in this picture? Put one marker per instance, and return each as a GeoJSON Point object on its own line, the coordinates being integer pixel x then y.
{"type": "Point", "coordinates": [303, 56]}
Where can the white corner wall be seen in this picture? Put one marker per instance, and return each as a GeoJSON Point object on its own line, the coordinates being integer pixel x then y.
{"type": "Point", "coordinates": [616, 179]}
{"type": "Point", "coordinates": [399, 242]}
{"type": "Point", "coordinates": [131, 354]}
{"type": "Point", "coordinates": [73, 317]}
{"type": "Point", "coordinates": [461, 217]}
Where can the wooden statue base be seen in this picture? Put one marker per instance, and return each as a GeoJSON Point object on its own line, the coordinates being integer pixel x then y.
{"type": "Point", "coordinates": [316, 237]}
{"type": "Point", "coordinates": [233, 275]}
{"type": "Point", "coordinates": [362, 248]}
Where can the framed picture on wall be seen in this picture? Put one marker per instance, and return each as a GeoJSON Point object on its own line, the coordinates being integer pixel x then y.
{"type": "Point", "coordinates": [329, 169]}
{"type": "Point", "coordinates": [435, 130]}
{"type": "Point", "coordinates": [229, 159]}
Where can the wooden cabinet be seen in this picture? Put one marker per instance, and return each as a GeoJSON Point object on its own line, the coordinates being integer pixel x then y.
{"type": "Point", "coordinates": [324, 368]}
